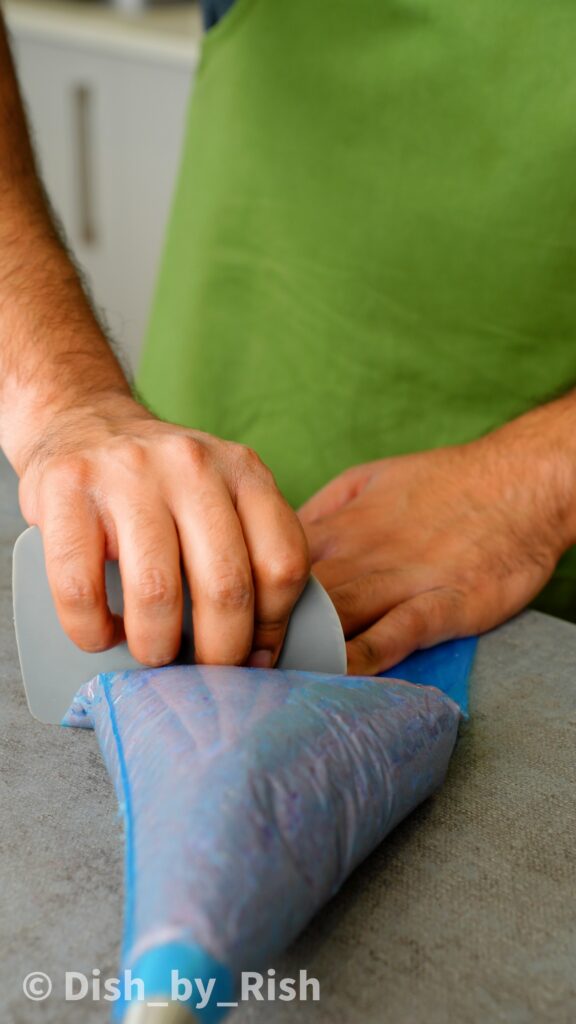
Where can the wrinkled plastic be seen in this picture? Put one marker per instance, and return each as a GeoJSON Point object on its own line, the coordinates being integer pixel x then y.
{"type": "Point", "coordinates": [248, 797]}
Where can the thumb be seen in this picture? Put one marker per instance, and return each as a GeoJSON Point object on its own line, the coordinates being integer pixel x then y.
{"type": "Point", "coordinates": [335, 494]}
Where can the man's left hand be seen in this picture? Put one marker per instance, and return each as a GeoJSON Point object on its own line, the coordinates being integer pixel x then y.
{"type": "Point", "coordinates": [423, 548]}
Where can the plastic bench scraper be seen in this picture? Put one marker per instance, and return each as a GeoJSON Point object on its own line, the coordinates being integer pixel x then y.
{"type": "Point", "coordinates": [53, 668]}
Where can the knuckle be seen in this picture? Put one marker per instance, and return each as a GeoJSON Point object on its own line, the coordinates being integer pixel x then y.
{"type": "Point", "coordinates": [230, 589]}
{"type": "Point", "coordinates": [252, 464]}
{"type": "Point", "coordinates": [77, 593]}
{"type": "Point", "coordinates": [66, 471]}
{"type": "Point", "coordinates": [131, 456]}
{"type": "Point", "coordinates": [412, 619]}
{"type": "Point", "coordinates": [350, 473]}
{"type": "Point", "coordinates": [447, 611]}
{"type": "Point", "coordinates": [288, 571]}
{"type": "Point", "coordinates": [248, 455]}
{"type": "Point", "coordinates": [155, 588]}
{"type": "Point", "coordinates": [367, 649]}
{"type": "Point", "coordinates": [190, 451]}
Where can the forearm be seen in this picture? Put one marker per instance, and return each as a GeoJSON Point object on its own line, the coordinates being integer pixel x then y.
{"type": "Point", "coordinates": [53, 353]}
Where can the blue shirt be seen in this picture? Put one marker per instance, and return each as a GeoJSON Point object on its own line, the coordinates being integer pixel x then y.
{"type": "Point", "coordinates": [214, 9]}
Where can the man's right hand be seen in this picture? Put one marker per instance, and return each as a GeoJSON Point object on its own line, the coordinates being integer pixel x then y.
{"type": "Point", "coordinates": [104, 479]}
{"type": "Point", "coordinates": [113, 482]}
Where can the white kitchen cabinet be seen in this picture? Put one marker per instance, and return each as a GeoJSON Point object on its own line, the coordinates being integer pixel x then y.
{"type": "Point", "coordinates": [108, 113]}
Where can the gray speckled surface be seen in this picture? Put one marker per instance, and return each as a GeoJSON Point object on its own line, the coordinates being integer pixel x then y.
{"type": "Point", "coordinates": [467, 913]}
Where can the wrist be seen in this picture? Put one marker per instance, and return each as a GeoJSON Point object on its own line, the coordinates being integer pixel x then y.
{"type": "Point", "coordinates": [45, 419]}
{"type": "Point", "coordinates": [540, 447]}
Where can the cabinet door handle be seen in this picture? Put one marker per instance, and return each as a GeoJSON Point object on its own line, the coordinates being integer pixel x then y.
{"type": "Point", "coordinates": [82, 113]}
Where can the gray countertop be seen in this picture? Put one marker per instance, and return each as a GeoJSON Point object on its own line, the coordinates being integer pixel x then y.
{"type": "Point", "coordinates": [466, 913]}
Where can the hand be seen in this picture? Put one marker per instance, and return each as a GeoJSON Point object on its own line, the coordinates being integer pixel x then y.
{"type": "Point", "coordinates": [423, 548]}
{"type": "Point", "coordinates": [113, 482]}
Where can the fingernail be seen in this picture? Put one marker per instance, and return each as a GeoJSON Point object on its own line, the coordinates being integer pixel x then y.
{"type": "Point", "coordinates": [260, 659]}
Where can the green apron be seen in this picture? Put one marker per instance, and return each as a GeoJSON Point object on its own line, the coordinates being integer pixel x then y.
{"type": "Point", "coordinates": [372, 247]}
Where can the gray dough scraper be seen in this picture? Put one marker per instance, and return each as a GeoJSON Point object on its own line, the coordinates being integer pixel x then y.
{"type": "Point", "coordinates": [53, 668]}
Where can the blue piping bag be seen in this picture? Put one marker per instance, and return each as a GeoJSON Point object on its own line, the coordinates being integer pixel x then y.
{"type": "Point", "coordinates": [447, 666]}
{"type": "Point", "coordinates": [248, 797]}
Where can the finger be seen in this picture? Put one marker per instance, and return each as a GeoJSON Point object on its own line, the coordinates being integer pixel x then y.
{"type": "Point", "coordinates": [425, 620]}
{"type": "Point", "coordinates": [218, 570]}
{"type": "Point", "coordinates": [362, 601]}
{"type": "Point", "coordinates": [149, 561]}
{"type": "Point", "coordinates": [280, 565]}
{"type": "Point", "coordinates": [74, 549]}
{"type": "Point", "coordinates": [322, 539]}
{"type": "Point", "coordinates": [340, 536]}
{"type": "Point", "coordinates": [335, 536]}
{"type": "Point", "coordinates": [335, 494]}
